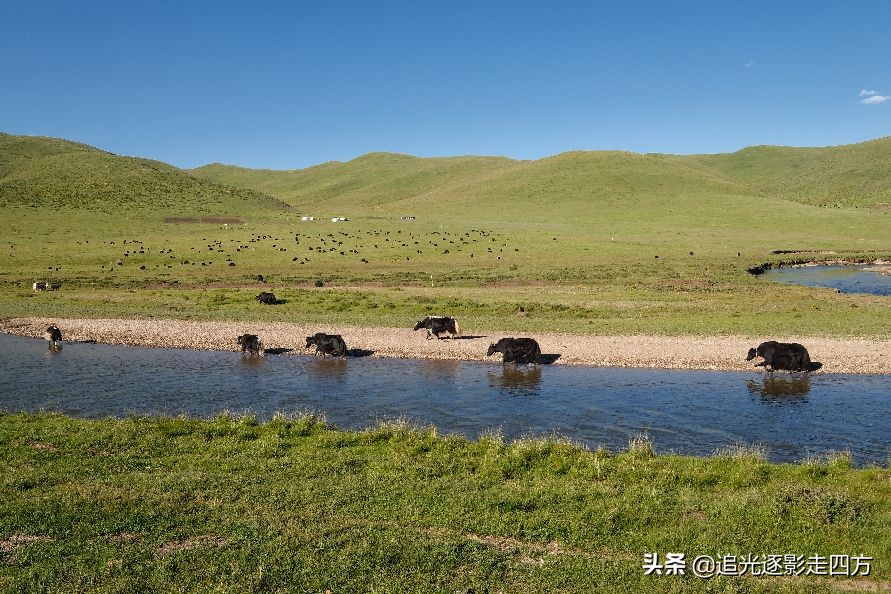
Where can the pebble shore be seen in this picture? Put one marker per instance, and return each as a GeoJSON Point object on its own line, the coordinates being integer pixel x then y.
{"type": "Point", "coordinates": [838, 355]}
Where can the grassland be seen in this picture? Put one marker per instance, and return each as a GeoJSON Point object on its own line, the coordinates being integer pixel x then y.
{"type": "Point", "coordinates": [606, 242]}
{"type": "Point", "coordinates": [295, 506]}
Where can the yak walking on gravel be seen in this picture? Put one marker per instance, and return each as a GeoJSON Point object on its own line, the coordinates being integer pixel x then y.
{"type": "Point", "coordinates": [437, 325]}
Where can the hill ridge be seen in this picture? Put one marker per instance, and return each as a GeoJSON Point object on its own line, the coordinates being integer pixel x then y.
{"type": "Point", "coordinates": [37, 171]}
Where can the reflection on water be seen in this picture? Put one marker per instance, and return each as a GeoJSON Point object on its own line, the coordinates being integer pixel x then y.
{"type": "Point", "coordinates": [689, 412]}
{"type": "Point", "coordinates": [846, 279]}
{"type": "Point", "coordinates": [521, 380]}
{"type": "Point", "coordinates": [334, 368]}
{"type": "Point", "coordinates": [780, 390]}
{"type": "Point", "coordinates": [439, 368]}
{"type": "Point", "coordinates": [249, 361]}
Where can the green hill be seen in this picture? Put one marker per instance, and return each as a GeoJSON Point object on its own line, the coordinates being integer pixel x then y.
{"type": "Point", "coordinates": [372, 181]}
{"type": "Point", "coordinates": [837, 176]}
{"type": "Point", "coordinates": [850, 176]}
{"type": "Point", "coordinates": [580, 185]}
{"type": "Point", "coordinates": [48, 172]}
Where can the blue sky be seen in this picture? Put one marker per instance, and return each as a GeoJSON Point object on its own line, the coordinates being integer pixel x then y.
{"type": "Point", "coordinates": [287, 84]}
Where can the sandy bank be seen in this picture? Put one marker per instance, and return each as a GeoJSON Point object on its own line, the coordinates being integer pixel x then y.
{"type": "Point", "coordinates": [838, 355]}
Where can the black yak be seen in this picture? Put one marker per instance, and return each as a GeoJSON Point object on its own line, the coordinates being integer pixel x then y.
{"type": "Point", "coordinates": [267, 298]}
{"type": "Point", "coordinates": [327, 344]}
{"type": "Point", "coordinates": [250, 344]}
{"type": "Point", "coordinates": [783, 356]}
{"type": "Point", "coordinates": [516, 350]}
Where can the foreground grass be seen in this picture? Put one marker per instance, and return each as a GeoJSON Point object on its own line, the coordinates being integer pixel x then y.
{"type": "Point", "coordinates": [293, 505]}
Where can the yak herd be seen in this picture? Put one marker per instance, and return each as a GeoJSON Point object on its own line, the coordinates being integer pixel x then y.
{"type": "Point", "coordinates": [514, 350]}
{"type": "Point", "coordinates": [777, 356]}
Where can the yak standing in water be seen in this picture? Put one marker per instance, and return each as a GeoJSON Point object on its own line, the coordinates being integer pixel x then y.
{"type": "Point", "coordinates": [437, 325]}
{"type": "Point", "coordinates": [516, 350]}
{"type": "Point", "coordinates": [327, 344]}
{"type": "Point", "coordinates": [54, 337]}
{"type": "Point", "coordinates": [250, 344]}
{"type": "Point", "coordinates": [789, 356]}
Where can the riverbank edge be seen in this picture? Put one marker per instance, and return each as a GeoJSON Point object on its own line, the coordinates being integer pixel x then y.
{"type": "Point", "coordinates": [722, 353]}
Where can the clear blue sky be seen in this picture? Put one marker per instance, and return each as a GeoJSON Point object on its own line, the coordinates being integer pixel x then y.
{"type": "Point", "coordinates": [287, 84]}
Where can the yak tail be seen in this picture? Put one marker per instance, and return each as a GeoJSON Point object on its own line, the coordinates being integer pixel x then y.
{"type": "Point", "coordinates": [814, 366]}
{"type": "Point", "coordinates": [457, 328]}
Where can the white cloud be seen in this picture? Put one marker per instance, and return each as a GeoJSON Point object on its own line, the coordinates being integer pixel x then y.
{"type": "Point", "coordinates": [865, 93]}
{"type": "Point", "coordinates": [750, 64]}
{"type": "Point", "coordinates": [874, 99]}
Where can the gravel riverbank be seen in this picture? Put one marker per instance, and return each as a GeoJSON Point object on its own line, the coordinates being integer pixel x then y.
{"type": "Point", "coordinates": [838, 355]}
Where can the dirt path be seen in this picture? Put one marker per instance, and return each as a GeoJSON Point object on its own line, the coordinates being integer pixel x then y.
{"type": "Point", "coordinates": [838, 355]}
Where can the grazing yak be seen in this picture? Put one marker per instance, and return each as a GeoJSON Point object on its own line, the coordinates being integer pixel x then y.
{"type": "Point", "coordinates": [250, 344]}
{"type": "Point", "coordinates": [516, 350]}
{"type": "Point", "coordinates": [783, 356]}
{"type": "Point", "coordinates": [54, 337]}
{"type": "Point", "coordinates": [267, 298]}
{"type": "Point", "coordinates": [437, 325]}
{"type": "Point", "coordinates": [327, 344]}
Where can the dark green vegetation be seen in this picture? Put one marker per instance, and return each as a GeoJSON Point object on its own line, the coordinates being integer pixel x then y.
{"type": "Point", "coordinates": [291, 505]}
{"type": "Point", "coordinates": [602, 242]}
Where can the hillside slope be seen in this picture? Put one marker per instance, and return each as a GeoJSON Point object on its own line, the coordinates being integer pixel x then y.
{"type": "Point", "coordinates": [369, 181]}
{"type": "Point", "coordinates": [576, 184]}
{"type": "Point", "coordinates": [48, 172]}
{"type": "Point", "coordinates": [836, 176]}
{"type": "Point", "coordinates": [843, 176]}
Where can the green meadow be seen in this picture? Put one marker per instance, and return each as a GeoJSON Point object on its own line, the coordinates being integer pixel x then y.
{"type": "Point", "coordinates": [292, 505]}
{"type": "Point", "coordinates": [587, 242]}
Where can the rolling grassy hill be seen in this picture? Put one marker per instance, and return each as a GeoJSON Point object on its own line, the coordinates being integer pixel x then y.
{"type": "Point", "coordinates": [844, 176]}
{"type": "Point", "coordinates": [52, 173]}
{"type": "Point", "coordinates": [375, 181]}
{"type": "Point", "coordinates": [835, 176]}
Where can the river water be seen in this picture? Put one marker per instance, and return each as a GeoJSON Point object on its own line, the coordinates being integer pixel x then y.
{"type": "Point", "coordinates": [687, 412]}
{"type": "Point", "coordinates": [846, 279]}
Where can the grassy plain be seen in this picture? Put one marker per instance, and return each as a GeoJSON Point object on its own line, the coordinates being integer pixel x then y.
{"type": "Point", "coordinates": [292, 505]}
